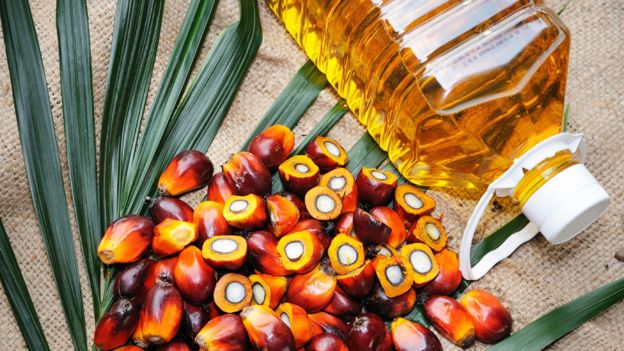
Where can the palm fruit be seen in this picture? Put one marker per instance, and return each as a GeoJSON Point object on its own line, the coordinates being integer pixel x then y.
{"type": "Point", "coordinates": [232, 293]}
{"type": "Point", "coordinates": [410, 336]}
{"type": "Point", "coordinates": [300, 252]}
{"type": "Point", "coordinates": [382, 250]}
{"type": "Point", "coordinates": [247, 174]}
{"type": "Point", "coordinates": [341, 181]}
{"type": "Point", "coordinates": [262, 246]}
{"type": "Point", "coordinates": [224, 333]}
{"type": "Point", "coordinates": [297, 320]}
{"type": "Point", "coordinates": [421, 259]}
{"type": "Point", "coordinates": [209, 221]}
{"type": "Point", "coordinates": [323, 203]}
{"type": "Point", "coordinates": [161, 316]}
{"type": "Point", "coordinates": [430, 231]}
{"type": "Point", "coordinates": [323, 322]}
{"type": "Point", "coordinates": [273, 145]}
{"type": "Point", "coordinates": [375, 186]}
{"type": "Point", "coordinates": [342, 305]}
{"type": "Point", "coordinates": [126, 239]}
{"type": "Point", "coordinates": [187, 171]}
{"type": "Point", "coordinates": [359, 282]}
{"type": "Point", "coordinates": [394, 274]}
{"type": "Point", "coordinates": [160, 271]}
{"type": "Point", "coordinates": [116, 325]}
{"type": "Point", "coordinates": [267, 290]}
{"type": "Point", "coordinates": [195, 317]}
{"type": "Point", "coordinates": [193, 277]}
{"type": "Point", "coordinates": [326, 342]}
{"type": "Point", "coordinates": [313, 290]}
{"type": "Point", "coordinates": [344, 224]}
{"type": "Point", "coordinates": [326, 153]}
{"type": "Point", "coordinates": [346, 254]}
{"type": "Point", "coordinates": [245, 212]}
{"type": "Point", "coordinates": [392, 220]}
{"type": "Point", "coordinates": [368, 333]}
{"type": "Point", "coordinates": [225, 251]}
{"type": "Point", "coordinates": [219, 189]}
{"type": "Point", "coordinates": [411, 203]}
{"type": "Point", "coordinates": [129, 281]}
{"type": "Point", "coordinates": [169, 207]}
{"type": "Point", "coordinates": [315, 227]}
{"type": "Point", "coordinates": [266, 330]}
{"type": "Point", "coordinates": [451, 320]}
{"type": "Point", "coordinates": [449, 277]}
{"type": "Point", "coordinates": [297, 201]}
{"type": "Point", "coordinates": [389, 307]}
{"type": "Point", "coordinates": [370, 229]}
{"type": "Point", "coordinates": [174, 346]}
{"type": "Point", "coordinates": [283, 215]}
{"type": "Point", "coordinates": [171, 236]}
{"type": "Point", "coordinates": [491, 319]}
{"type": "Point", "coordinates": [299, 174]}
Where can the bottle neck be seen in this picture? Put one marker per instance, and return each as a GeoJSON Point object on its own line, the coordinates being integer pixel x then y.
{"type": "Point", "coordinates": [542, 172]}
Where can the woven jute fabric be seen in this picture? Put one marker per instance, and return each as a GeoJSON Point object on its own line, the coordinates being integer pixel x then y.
{"type": "Point", "coordinates": [536, 279]}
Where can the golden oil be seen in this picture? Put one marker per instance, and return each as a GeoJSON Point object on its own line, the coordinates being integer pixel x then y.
{"type": "Point", "coordinates": [453, 90]}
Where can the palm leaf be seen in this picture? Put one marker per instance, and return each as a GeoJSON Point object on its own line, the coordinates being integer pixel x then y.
{"type": "Point", "coordinates": [34, 119]}
{"type": "Point", "coordinates": [365, 153]}
{"type": "Point", "coordinates": [135, 42]}
{"type": "Point", "coordinates": [76, 89]}
{"type": "Point", "coordinates": [18, 296]}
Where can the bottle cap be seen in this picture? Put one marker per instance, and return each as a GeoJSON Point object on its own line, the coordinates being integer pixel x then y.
{"type": "Point", "coordinates": [566, 204]}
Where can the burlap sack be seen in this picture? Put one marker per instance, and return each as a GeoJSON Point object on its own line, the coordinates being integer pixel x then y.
{"type": "Point", "coordinates": [534, 280]}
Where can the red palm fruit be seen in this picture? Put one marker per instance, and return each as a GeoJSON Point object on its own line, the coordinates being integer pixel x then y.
{"type": "Point", "coordinates": [392, 220]}
{"type": "Point", "coordinates": [382, 250]}
{"type": "Point", "coordinates": [411, 203]}
{"type": "Point", "coordinates": [129, 281]}
{"type": "Point", "coordinates": [266, 330]}
{"type": "Point", "coordinates": [360, 282]}
{"type": "Point", "coordinates": [430, 231]}
{"type": "Point", "coordinates": [126, 239]}
{"type": "Point", "coordinates": [224, 333]}
{"type": "Point", "coordinates": [315, 227]}
{"type": "Point", "coordinates": [300, 252]}
{"type": "Point", "coordinates": [323, 322]}
{"type": "Point", "coordinates": [160, 271]}
{"type": "Point", "coordinates": [171, 236]}
{"type": "Point", "coordinates": [225, 251]}
{"type": "Point", "coordinates": [187, 171]}
{"type": "Point", "coordinates": [195, 317]}
{"type": "Point", "coordinates": [450, 319]}
{"type": "Point", "coordinates": [273, 145]}
{"type": "Point", "coordinates": [219, 189]}
{"type": "Point", "coordinates": [174, 346]}
{"type": "Point", "coordinates": [421, 259]}
{"type": "Point", "coordinates": [491, 319]}
{"type": "Point", "coordinates": [262, 247]}
{"type": "Point", "coordinates": [297, 320]}
{"type": "Point", "coordinates": [323, 203]}
{"type": "Point", "coordinates": [368, 333]}
{"type": "Point", "coordinates": [194, 278]}
{"type": "Point", "coordinates": [299, 174]}
{"type": "Point", "coordinates": [341, 181]}
{"type": "Point", "coordinates": [449, 277]}
{"type": "Point", "coordinates": [326, 342]}
{"type": "Point", "coordinates": [209, 221]}
{"type": "Point", "coordinates": [161, 316]}
{"type": "Point", "coordinates": [342, 305]}
{"type": "Point", "coordinates": [394, 273]}
{"type": "Point", "coordinates": [370, 229]}
{"type": "Point", "coordinates": [128, 348]}
{"type": "Point", "coordinates": [232, 293]}
{"type": "Point", "coordinates": [245, 212]}
{"type": "Point", "coordinates": [169, 207]}
{"type": "Point", "coordinates": [283, 215]}
{"type": "Point", "coordinates": [346, 254]}
{"type": "Point", "coordinates": [303, 213]}
{"type": "Point", "coordinates": [116, 325]}
{"type": "Point", "coordinates": [313, 290]}
{"type": "Point", "coordinates": [410, 336]}
{"type": "Point", "coordinates": [267, 290]}
{"type": "Point", "coordinates": [375, 186]}
{"type": "Point", "coordinates": [327, 153]}
{"type": "Point", "coordinates": [247, 174]}
{"type": "Point", "coordinates": [389, 307]}
{"type": "Point", "coordinates": [344, 224]}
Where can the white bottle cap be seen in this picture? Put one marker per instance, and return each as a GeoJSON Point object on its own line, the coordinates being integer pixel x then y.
{"type": "Point", "coordinates": [566, 204]}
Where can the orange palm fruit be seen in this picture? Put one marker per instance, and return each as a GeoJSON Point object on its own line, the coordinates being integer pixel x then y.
{"type": "Point", "coordinates": [300, 252]}
{"type": "Point", "coordinates": [174, 346]}
{"type": "Point", "coordinates": [209, 221]}
{"type": "Point", "coordinates": [128, 348]}
{"type": "Point", "coordinates": [225, 251]}
{"type": "Point", "coordinates": [299, 174]}
{"type": "Point", "coordinates": [129, 281]}
{"type": "Point", "coordinates": [344, 224]}
{"type": "Point", "coordinates": [411, 203]}
{"type": "Point", "coordinates": [326, 342]}
{"type": "Point", "coordinates": [232, 293]}
{"type": "Point", "coordinates": [323, 322]}
{"type": "Point", "coordinates": [283, 215]}
{"type": "Point", "coordinates": [341, 181]}
{"type": "Point", "coordinates": [315, 227]}
{"type": "Point", "coordinates": [297, 320]}
{"type": "Point", "coordinates": [187, 171]}
{"type": "Point", "coordinates": [313, 290]}
{"type": "Point", "coordinates": [389, 307]}
{"type": "Point", "coordinates": [170, 207]}
{"type": "Point", "coordinates": [360, 282]}
{"type": "Point", "coordinates": [326, 153]}
{"type": "Point", "coordinates": [369, 229]}
{"type": "Point", "coordinates": [195, 317]}
{"type": "Point", "coordinates": [342, 305]}
{"type": "Point", "coordinates": [266, 330]}
{"type": "Point", "coordinates": [126, 239]}
{"type": "Point", "coordinates": [273, 145]}
{"type": "Point", "coordinates": [247, 174]}
{"type": "Point", "coordinates": [223, 333]}
{"type": "Point", "coordinates": [262, 246]}
{"type": "Point", "coordinates": [160, 271]}
{"type": "Point", "coordinates": [193, 277]}
{"type": "Point", "coordinates": [346, 254]}
{"type": "Point", "coordinates": [219, 189]}
{"type": "Point", "coordinates": [382, 250]}
{"type": "Point", "coordinates": [410, 336]}
{"type": "Point", "coordinates": [491, 319]}
{"type": "Point", "coordinates": [297, 201]}
{"type": "Point", "coordinates": [323, 203]}
{"type": "Point", "coordinates": [161, 316]}
{"type": "Point", "coordinates": [267, 290]}
{"type": "Point", "coordinates": [430, 231]}
{"type": "Point", "coordinates": [392, 220]}
{"type": "Point", "coordinates": [449, 277]}
{"type": "Point", "coordinates": [375, 186]}
{"type": "Point", "coordinates": [421, 260]}
{"type": "Point", "coordinates": [368, 333]}
{"type": "Point", "coordinates": [245, 212]}
{"type": "Point", "coordinates": [394, 274]}
{"type": "Point", "coordinates": [171, 236]}
{"type": "Point", "coordinates": [451, 320]}
{"type": "Point", "coordinates": [116, 325]}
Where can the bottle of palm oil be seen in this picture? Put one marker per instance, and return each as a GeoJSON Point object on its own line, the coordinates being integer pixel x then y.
{"type": "Point", "coordinates": [460, 93]}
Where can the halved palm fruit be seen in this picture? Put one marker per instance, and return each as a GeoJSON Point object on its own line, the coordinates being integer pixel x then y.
{"type": "Point", "coordinates": [232, 293]}
{"type": "Point", "coordinates": [370, 229]}
{"type": "Point", "coordinates": [266, 330]}
{"type": "Point", "coordinates": [376, 186]}
{"type": "Point", "coordinates": [359, 282]}
{"type": "Point", "coordinates": [346, 254]}
{"type": "Point", "coordinates": [430, 231]}
{"type": "Point", "coordinates": [422, 261]}
{"type": "Point", "coordinates": [273, 145]}
{"type": "Point", "coordinates": [262, 246]}
{"type": "Point", "coordinates": [245, 212]}
{"type": "Point", "coordinates": [382, 250]}
{"type": "Point", "coordinates": [394, 274]}
{"type": "Point", "coordinates": [267, 290]}
{"type": "Point", "coordinates": [300, 252]}
{"type": "Point", "coordinates": [411, 203]}
{"type": "Point", "coordinates": [323, 203]}
{"type": "Point", "coordinates": [341, 181]}
{"type": "Point", "coordinates": [327, 153]}
{"type": "Point", "coordinates": [283, 215]}
{"type": "Point", "coordinates": [225, 251]}
{"type": "Point", "coordinates": [299, 174]}
{"type": "Point", "coordinates": [296, 318]}
{"type": "Point", "coordinates": [449, 277]}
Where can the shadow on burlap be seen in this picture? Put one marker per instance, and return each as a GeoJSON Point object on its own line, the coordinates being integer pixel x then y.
{"type": "Point", "coordinates": [537, 278]}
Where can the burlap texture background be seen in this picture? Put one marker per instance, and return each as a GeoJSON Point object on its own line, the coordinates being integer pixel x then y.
{"type": "Point", "coordinates": [534, 280]}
